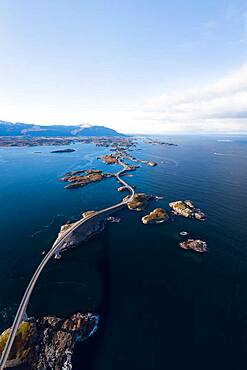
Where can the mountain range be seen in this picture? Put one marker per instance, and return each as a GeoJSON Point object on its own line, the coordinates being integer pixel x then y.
{"type": "Point", "coordinates": [26, 129]}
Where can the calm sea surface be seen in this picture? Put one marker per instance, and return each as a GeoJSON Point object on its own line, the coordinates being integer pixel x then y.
{"type": "Point", "coordinates": [161, 307]}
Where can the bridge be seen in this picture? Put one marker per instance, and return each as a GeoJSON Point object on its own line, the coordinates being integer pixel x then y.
{"type": "Point", "coordinates": [55, 250]}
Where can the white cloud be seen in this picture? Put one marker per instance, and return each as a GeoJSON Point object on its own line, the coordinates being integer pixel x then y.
{"type": "Point", "coordinates": [219, 106]}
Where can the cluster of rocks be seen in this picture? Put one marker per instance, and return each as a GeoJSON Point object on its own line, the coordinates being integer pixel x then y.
{"type": "Point", "coordinates": [159, 215]}
{"type": "Point", "coordinates": [113, 219]}
{"type": "Point", "coordinates": [196, 245]}
{"type": "Point", "coordinates": [187, 209]}
{"type": "Point", "coordinates": [48, 342]}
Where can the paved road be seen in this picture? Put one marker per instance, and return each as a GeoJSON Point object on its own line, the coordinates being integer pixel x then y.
{"type": "Point", "coordinates": [21, 312]}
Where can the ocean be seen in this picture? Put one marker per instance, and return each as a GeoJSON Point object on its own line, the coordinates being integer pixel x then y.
{"type": "Point", "coordinates": [161, 307]}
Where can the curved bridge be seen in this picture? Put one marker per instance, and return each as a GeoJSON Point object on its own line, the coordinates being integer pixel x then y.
{"type": "Point", "coordinates": [21, 312]}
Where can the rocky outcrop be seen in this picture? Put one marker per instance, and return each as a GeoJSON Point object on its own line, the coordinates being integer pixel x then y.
{"type": "Point", "coordinates": [85, 230]}
{"type": "Point", "coordinates": [47, 343]}
{"type": "Point", "coordinates": [87, 214]}
{"type": "Point", "coordinates": [187, 209]}
{"type": "Point", "coordinates": [157, 216]}
{"type": "Point", "coordinates": [81, 178]}
{"type": "Point", "coordinates": [151, 163]}
{"type": "Point", "coordinates": [121, 188]}
{"type": "Point", "coordinates": [130, 168]}
{"type": "Point", "coordinates": [195, 245]}
{"type": "Point", "coordinates": [139, 202]}
{"type": "Point", "coordinates": [82, 234]}
{"type": "Point", "coordinates": [68, 225]}
{"type": "Point", "coordinates": [73, 173]}
{"type": "Point", "coordinates": [109, 159]}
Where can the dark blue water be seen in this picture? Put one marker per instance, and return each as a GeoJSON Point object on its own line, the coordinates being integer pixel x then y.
{"type": "Point", "coordinates": [162, 307]}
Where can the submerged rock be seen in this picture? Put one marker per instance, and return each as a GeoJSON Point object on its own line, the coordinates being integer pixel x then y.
{"type": "Point", "coordinates": [48, 342]}
{"type": "Point", "coordinates": [113, 219]}
{"type": "Point", "coordinates": [158, 197]}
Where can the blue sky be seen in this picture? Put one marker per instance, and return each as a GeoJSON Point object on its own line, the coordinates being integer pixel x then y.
{"type": "Point", "coordinates": [136, 66]}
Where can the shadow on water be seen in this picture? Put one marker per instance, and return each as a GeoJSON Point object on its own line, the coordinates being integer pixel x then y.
{"type": "Point", "coordinates": [84, 352]}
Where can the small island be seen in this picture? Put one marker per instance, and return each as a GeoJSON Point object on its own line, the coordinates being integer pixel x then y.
{"type": "Point", "coordinates": [157, 216]}
{"type": "Point", "coordinates": [121, 188]}
{"type": "Point", "coordinates": [88, 214]}
{"type": "Point", "coordinates": [151, 163]}
{"type": "Point", "coordinates": [158, 142]}
{"type": "Point", "coordinates": [68, 150]}
{"type": "Point", "coordinates": [196, 245]}
{"type": "Point", "coordinates": [131, 168]}
{"type": "Point", "coordinates": [82, 178]}
{"type": "Point", "coordinates": [87, 230]}
{"type": "Point", "coordinates": [187, 209]}
{"type": "Point", "coordinates": [139, 202]}
{"type": "Point", "coordinates": [109, 159]}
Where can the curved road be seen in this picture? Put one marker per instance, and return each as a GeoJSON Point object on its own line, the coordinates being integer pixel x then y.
{"type": "Point", "coordinates": [21, 312]}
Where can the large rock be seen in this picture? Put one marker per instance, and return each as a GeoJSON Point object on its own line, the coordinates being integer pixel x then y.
{"type": "Point", "coordinates": [157, 216]}
{"type": "Point", "coordinates": [86, 229]}
{"type": "Point", "coordinates": [139, 202]}
{"type": "Point", "coordinates": [47, 343]}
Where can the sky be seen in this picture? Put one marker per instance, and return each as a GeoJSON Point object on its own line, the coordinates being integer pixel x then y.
{"type": "Point", "coordinates": [137, 66]}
